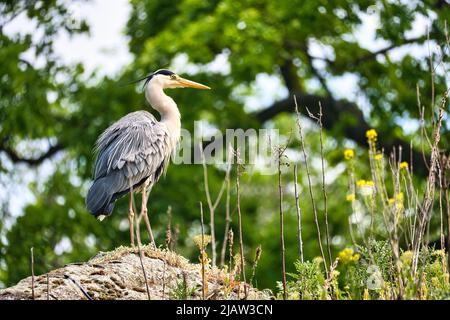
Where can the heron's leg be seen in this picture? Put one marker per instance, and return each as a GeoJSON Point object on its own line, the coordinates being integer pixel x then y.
{"type": "Point", "coordinates": [131, 219]}
{"type": "Point", "coordinates": [145, 215]}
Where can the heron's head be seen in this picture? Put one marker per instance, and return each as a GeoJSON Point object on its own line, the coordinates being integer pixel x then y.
{"type": "Point", "coordinates": [169, 80]}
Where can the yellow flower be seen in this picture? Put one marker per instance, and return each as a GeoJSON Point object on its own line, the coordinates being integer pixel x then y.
{"type": "Point", "coordinates": [397, 200]}
{"type": "Point", "coordinates": [366, 294]}
{"type": "Point", "coordinates": [369, 183]}
{"type": "Point", "coordinates": [350, 197]}
{"type": "Point", "coordinates": [347, 255]}
{"type": "Point", "coordinates": [378, 157]}
{"type": "Point", "coordinates": [364, 183]}
{"type": "Point", "coordinates": [406, 257]}
{"type": "Point", "coordinates": [318, 260]}
{"type": "Point", "coordinates": [237, 263]}
{"type": "Point", "coordinates": [366, 187]}
{"type": "Point", "coordinates": [349, 154]}
{"type": "Point", "coordinates": [438, 253]}
{"type": "Point", "coordinates": [424, 291]}
{"type": "Point", "coordinates": [404, 165]}
{"type": "Point", "coordinates": [383, 295]}
{"type": "Point", "coordinates": [294, 296]}
{"type": "Point", "coordinates": [435, 281]}
{"type": "Point", "coordinates": [361, 183]}
{"type": "Point", "coordinates": [198, 240]}
{"type": "Point", "coordinates": [371, 135]}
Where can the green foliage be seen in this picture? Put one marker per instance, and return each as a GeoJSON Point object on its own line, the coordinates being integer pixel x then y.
{"type": "Point", "coordinates": [182, 291]}
{"type": "Point", "coordinates": [309, 281]}
{"type": "Point", "coordinates": [355, 280]}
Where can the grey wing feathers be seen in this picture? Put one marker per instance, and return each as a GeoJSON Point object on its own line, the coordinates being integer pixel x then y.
{"type": "Point", "coordinates": [137, 146]}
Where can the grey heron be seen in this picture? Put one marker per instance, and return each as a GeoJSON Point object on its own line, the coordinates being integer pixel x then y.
{"type": "Point", "coordinates": [133, 153]}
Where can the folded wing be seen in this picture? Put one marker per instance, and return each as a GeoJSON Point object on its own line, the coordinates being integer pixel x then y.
{"type": "Point", "coordinates": [130, 151]}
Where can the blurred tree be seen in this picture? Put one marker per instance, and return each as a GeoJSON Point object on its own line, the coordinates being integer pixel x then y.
{"type": "Point", "coordinates": [50, 114]}
{"type": "Point", "coordinates": [282, 38]}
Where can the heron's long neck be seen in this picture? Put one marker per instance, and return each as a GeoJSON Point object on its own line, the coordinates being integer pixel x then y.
{"type": "Point", "coordinates": [167, 108]}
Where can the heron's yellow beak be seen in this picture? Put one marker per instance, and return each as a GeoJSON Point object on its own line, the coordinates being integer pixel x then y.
{"type": "Point", "coordinates": [185, 83]}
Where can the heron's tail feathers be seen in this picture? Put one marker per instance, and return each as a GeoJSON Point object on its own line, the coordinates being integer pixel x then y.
{"type": "Point", "coordinates": [99, 200]}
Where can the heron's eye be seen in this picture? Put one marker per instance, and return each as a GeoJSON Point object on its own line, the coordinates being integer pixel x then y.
{"type": "Point", "coordinates": [173, 76]}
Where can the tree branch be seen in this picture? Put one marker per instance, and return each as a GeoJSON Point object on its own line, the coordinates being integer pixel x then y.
{"type": "Point", "coordinates": [16, 158]}
{"type": "Point", "coordinates": [372, 55]}
{"type": "Point", "coordinates": [289, 74]}
{"type": "Point", "coordinates": [318, 75]}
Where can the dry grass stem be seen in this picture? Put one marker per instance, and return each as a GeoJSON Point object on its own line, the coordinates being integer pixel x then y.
{"type": "Point", "coordinates": [311, 195]}
{"type": "Point", "coordinates": [299, 215]}
{"type": "Point", "coordinates": [241, 240]}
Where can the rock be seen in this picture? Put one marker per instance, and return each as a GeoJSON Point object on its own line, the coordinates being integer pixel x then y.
{"type": "Point", "coordinates": [119, 275]}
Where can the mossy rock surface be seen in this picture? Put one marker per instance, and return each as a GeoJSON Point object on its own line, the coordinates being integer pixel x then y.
{"type": "Point", "coordinates": [118, 274]}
